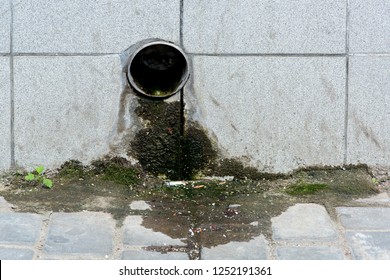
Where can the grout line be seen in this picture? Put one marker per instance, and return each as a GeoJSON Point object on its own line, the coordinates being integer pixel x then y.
{"type": "Point", "coordinates": [12, 88]}
{"type": "Point", "coordinates": [211, 54]}
{"type": "Point", "coordinates": [368, 54]}
{"type": "Point", "coordinates": [182, 124]}
{"type": "Point", "coordinates": [39, 245]}
{"type": "Point", "coordinates": [346, 112]}
{"type": "Point", "coordinates": [64, 54]}
{"type": "Point", "coordinates": [181, 22]}
{"type": "Point", "coordinates": [182, 104]}
{"type": "Point", "coordinates": [273, 54]}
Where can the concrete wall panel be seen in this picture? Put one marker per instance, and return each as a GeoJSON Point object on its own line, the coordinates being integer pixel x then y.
{"type": "Point", "coordinates": [276, 113]}
{"type": "Point", "coordinates": [102, 26]}
{"type": "Point", "coordinates": [251, 26]}
{"type": "Point", "coordinates": [369, 26]}
{"type": "Point", "coordinates": [369, 110]}
{"type": "Point", "coordinates": [65, 108]}
{"type": "Point", "coordinates": [5, 24]}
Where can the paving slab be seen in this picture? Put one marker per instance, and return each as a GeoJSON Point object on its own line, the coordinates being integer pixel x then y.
{"type": "Point", "coordinates": [140, 205]}
{"type": "Point", "coordinates": [369, 26]}
{"type": "Point", "coordinates": [5, 26]}
{"type": "Point", "coordinates": [5, 206]}
{"type": "Point", "coordinates": [103, 26]}
{"type": "Point", "coordinates": [151, 255]}
{"type": "Point", "coordinates": [253, 26]}
{"type": "Point", "coordinates": [255, 249]}
{"type": "Point", "coordinates": [366, 245]}
{"type": "Point", "coordinates": [5, 112]}
{"type": "Point", "coordinates": [80, 233]}
{"type": "Point", "coordinates": [74, 99]}
{"type": "Point", "coordinates": [293, 106]}
{"type": "Point", "coordinates": [19, 228]}
{"type": "Point", "coordinates": [369, 113]}
{"type": "Point", "coordinates": [309, 253]}
{"type": "Point", "coordinates": [16, 254]}
{"type": "Point", "coordinates": [137, 235]}
{"type": "Point", "coordinates": [304, 222]}
{"type": "Point", "coordinates": [364, 218]}
{"type": "Point", "coordinates": [382, 198]}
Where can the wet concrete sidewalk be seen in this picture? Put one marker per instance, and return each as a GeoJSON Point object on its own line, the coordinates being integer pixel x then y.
{"type": "Point", "coordinates": [305, 231]}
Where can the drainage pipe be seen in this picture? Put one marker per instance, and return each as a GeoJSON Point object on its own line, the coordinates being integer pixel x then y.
{"type": "Point", "coordinates": [158, 69]}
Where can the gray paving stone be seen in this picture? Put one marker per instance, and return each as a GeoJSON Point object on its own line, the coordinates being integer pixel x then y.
{"type": "Point", "coordinates": [309, 253]}
{"type": "Point", "coordinates": [382, 198]}
{"type": "Point", "coordinates": [364, 218]}
{"type": "Point", "coordinates": [103, 26]}
{"type": "Point", "coordinates": [293, 106]}
{"type": "Point", "coordinates": [254, 26]}
{"type": "Point", "coordinates": [16, 254]}
{"type": "Point", "coordinates": [369, 113]}
{"type": "Point", "coordinates": [135, 234]}
{"type": "Point", "coordinates": [5, 112]}
{"type": "Point", "coordinates": [74, 99]}
{"type": "Point", "coordinates": [19, 228]}
{"type": "Point", "coordinates": [4, 205]}
{"type": "Point", "coordinates": [151, 255]}
{"type": "Point", "coordinates": [366, 245]}
{"type": "Point", "coordinates": [140, 205]}
{"type": "Point", "coordinates": [256, 249]}
{"type": "Point", "coordinates": [80, 233]}
{"type": "Point", "coordinates": [369, 25]}
{"type": "Point", "coordinates": [5, 24]}
{"type": "Point", "coordinates": [304, 222]}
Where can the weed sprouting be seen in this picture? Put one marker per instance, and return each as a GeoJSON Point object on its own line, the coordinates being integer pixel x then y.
{"type": "Point", "coordinates": [37, 176]}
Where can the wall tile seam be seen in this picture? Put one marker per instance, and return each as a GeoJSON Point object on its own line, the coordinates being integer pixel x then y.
{"type": "Point", "coordinates": [64, 54]}
{"type": "Point", "coordinates": [346, 105]}
{"type": "Point", "coordinates": [12, 87]}
{"type": "Point", "coordinates": [14, 54]}
{"type": "Point", "coordinates": [270, 54]}
{"type": "Point", "coordinates": [378, 54]}
{"type": "Point", "coordinates": [181, 36]}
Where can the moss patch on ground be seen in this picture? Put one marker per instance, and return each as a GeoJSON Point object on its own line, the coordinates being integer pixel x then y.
{"type": "Point", "coordinates": [302, 188]}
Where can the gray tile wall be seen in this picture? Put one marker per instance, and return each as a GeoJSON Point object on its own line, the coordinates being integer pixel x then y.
{"type": "Point", "coordinates": [281, 84]}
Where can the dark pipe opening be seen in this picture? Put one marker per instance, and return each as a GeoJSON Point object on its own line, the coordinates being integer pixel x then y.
{"type": "Point", "coordinates": [158, 69]}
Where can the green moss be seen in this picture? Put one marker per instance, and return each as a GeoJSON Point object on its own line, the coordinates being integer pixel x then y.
{"type": "Point", "coordinates": [120, 175]}
{"type": "Point", "coordinates": [72, 169]}
{"type": "Point", "coordinates": [302, 188]}
{"type": "Point", "coordinates": [117, 170]}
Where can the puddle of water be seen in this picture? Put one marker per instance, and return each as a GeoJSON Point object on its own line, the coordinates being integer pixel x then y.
{"type": "Point", "coordinates": [207, 213]}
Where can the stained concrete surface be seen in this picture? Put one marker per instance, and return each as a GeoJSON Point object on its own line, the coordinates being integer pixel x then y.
{"type": "Point", "coordinates": [197, 220]}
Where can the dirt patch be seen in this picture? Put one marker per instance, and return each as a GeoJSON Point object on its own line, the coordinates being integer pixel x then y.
{"type": "Point", "coordinates": [207, 212]}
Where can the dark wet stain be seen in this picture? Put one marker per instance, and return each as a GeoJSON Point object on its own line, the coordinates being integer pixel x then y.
{"type": "Point", "coordinates": [167, 147]}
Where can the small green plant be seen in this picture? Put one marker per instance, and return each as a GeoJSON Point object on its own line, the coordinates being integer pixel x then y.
{"type": "Point", "coordinates": [39, 178]}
